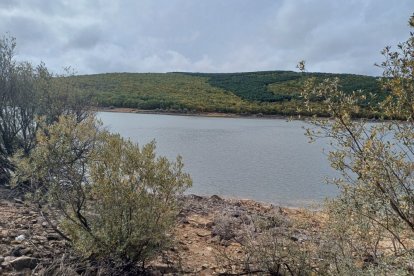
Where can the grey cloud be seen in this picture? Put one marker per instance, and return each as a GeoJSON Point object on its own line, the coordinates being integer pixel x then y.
{"type": "Point", "coordinates": [207, 36]}
{"type": "Point", "coordinates": [85, 38]}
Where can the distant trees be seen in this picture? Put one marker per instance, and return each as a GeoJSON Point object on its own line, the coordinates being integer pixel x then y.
{"type": "Point", "coordinates": [273, 92]}
{"type": "Point", "coordinates": [27, 93]}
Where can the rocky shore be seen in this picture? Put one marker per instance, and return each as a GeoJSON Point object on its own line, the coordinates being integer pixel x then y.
{"type": "Point", "coordinates": [209, 236]}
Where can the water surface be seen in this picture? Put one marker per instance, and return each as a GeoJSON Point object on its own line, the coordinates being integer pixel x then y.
{"type": "Point", "coordinates": [267, 160]}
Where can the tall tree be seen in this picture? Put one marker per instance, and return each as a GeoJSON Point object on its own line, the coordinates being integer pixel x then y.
{"type": "Point", "coordinates": [26, 93]}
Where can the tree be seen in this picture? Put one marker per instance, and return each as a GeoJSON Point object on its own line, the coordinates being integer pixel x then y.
{"type": "Point", "coordinates": [372, 219]}
{"type": "Point", "coordinates": [27, 92]}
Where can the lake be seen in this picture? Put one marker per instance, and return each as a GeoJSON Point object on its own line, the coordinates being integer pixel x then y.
{"type": "Point", "coordinates": [268, 160]}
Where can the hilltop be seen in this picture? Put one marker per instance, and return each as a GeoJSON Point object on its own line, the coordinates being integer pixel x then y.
{"type": "Point", "coordinates": [267, 92]}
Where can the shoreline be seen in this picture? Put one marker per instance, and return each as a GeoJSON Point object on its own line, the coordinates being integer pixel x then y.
{"type": "Point", "coordinates": [310, 205]}
{"type": "Point", "coordinates": [198, 114]}
{"type": "Point", "coordinates": [303, 118]}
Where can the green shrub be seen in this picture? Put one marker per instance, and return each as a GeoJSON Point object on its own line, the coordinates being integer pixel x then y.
{"type": "Point", "coordinates": [118, 201]}
{"type": "Point", "coordinates": [370, 227]}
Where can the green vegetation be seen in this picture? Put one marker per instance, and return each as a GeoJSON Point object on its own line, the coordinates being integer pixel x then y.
{"type": "Point", "coordinates": [26, 93]}
{"type": "Point", "coordinates": [113, 199]}
{"type": "Point", "coordinates": [114, 202]}
{"type": "Point", "coordinates": [368, 229]}
{"type": "Point", "coordinates": [276, 86]}
{"type": "Point", "coordinates": [273, 92]}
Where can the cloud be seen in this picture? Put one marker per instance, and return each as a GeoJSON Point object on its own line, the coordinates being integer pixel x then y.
{"type": "Point", "coordinates": [205, 36]}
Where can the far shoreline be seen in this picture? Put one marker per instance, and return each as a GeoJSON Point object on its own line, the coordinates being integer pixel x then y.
{"type": "Point", "coordinates": [260, 116]}
{"type": "Point", "coordinates": [200, 114]}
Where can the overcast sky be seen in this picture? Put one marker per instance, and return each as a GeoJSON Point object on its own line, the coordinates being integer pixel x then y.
{"type": "Point", "coordinates": [98, 36]}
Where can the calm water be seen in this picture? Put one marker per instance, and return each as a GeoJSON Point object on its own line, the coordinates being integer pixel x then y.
{"type": "Point", "coordinates": [267, 160]}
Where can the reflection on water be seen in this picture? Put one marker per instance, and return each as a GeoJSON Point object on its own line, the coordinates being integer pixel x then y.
{"type": "Point", "coordinates": [262, 159]}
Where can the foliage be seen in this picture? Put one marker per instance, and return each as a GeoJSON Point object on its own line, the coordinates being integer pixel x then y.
{"type": "Point", "coordinates": [27, 92]}
{"type": "Point", "coordinates": [272, 249]}
{"type": "Point", "coordinates": [118, 201]}
{"type": "Point", "coordinates": [371, 223]}
{"type": "Point", "coordinates": [275, 86]}
{"type": "Point", "coordinates": [273, 92]}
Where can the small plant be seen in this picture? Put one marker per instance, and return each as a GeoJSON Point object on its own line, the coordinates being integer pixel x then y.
{"type": "Point", "coordinates": [225, 227]}
{"type": "Point", "coordinates": [274, 249]}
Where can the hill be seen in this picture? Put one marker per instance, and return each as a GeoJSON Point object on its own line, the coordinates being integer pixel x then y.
{"type": "Point", "coordinates": [269, 92]}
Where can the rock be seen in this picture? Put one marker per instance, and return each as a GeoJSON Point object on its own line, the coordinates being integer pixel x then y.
{"type": "Point", "coordinates": [203, 233]}
{"type": "Point", "coordinates": [39, 238]}
{"type": "Point", "coordinates": [1, 259]}
{"type": "Point", "coordinates": [195, 197]}
{"type": "Point", "coordinates": [206, 272]}
{"type": "Point", "coordinates": [4, 233]}
{"type": "Point", "coordinates": [209, 224]}
{"type": "Point", "coordinates": [24, 262]}
{"type": "Point", "coordinates": [18, 200]}
{"type": "Point", "coordinates": [26, 251]}
{"type": "Point", "coordinates": [52, 237]}
{"type": "Point", "coordinates": [20, 238]}
{"type": "Point", "coordinates": [11, 234]}
{"type": "Point", "coordinates": [44, 224]}
{"type": "Point", "coordinates": [17, 251]}
{"type": "Point", "coordinates": [8, 259]}
{"type": "Point", "coordinates": [299, 238]}
{"type": "Point", "coordinates": [215, 198]}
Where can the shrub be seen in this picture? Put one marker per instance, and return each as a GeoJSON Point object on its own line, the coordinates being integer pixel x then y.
{"type": "Point", "coordinates": [371, 223]}
{"type": "Point", "coordinates": [118, 201]}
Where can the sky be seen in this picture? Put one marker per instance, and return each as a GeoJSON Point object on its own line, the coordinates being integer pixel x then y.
{"type": "Point", "coordinates": [98, 36]}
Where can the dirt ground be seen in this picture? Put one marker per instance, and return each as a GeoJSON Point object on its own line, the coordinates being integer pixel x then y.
{"type": "Point", "coordinates": [201, 245]}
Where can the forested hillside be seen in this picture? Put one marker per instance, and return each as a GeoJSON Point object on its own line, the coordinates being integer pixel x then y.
{"type": "Point", "coordinates": [270, 92]}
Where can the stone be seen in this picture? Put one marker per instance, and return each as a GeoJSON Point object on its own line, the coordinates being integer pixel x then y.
{"type": "Point", "coordinates": [17, 251]}
{"type": "Point", "coordinates": [8, 259]}
{"type": "Point", "coordinates": [299, 238]}
{"type": "Point", "coordinates": [26, 251]}
{"type": "Point", "coordinates": [20, 238]}
{"type": "Point", "coordinates": [52, 237]}
{"type": "Point", "coordinates": [203, 233]}
{"type": "Point", "coordinates": [4, 233]}
{"type": "Point", "coordinates": [12, 234]}
{"type": "Point", "coordinates": [215, 198]}
{"type": "Point", "coordinates": [18, 200]}
{"type": "Point", "coordinates": [206, 272]}
{"type": "Point", "coordinates": [24, 262]}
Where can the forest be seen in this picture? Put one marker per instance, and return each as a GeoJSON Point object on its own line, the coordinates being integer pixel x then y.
{"type": "Point", "coordinates": [267, 92]}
